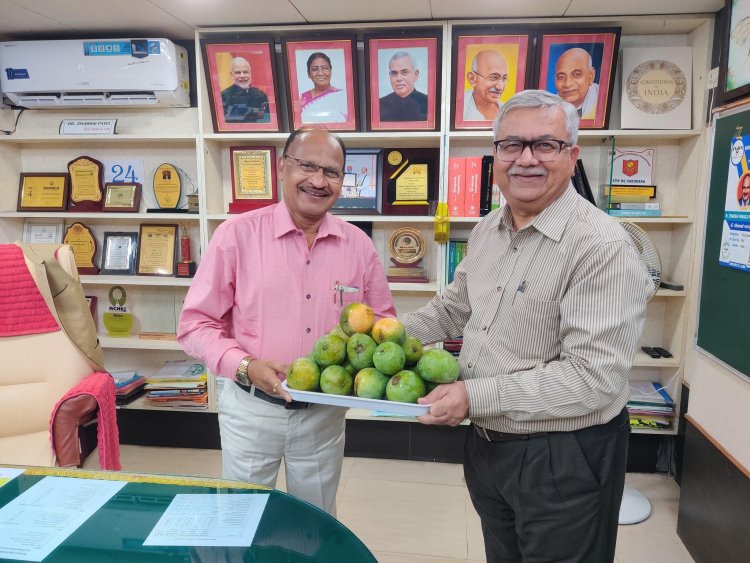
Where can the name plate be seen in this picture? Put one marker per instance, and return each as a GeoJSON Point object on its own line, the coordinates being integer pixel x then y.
{"type": "Point", "coordinates": [88, 126]}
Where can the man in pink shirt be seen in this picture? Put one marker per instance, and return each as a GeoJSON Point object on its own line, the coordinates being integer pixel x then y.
{"type": "Point", "coordinates": [263, 294]}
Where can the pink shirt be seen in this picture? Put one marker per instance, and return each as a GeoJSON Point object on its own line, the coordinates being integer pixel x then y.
{"type": "Point", "coordinates": [260, 291]}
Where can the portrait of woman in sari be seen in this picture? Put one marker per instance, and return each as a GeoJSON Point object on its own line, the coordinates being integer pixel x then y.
{"type": "Point", "coordinates": [324, 103]}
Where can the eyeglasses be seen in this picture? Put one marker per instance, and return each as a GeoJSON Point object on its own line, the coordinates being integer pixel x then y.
{"type": "Point", "coordinates": [311, 168]}
{"type": "Point", "coordinates": [317, 69]}
{"type": "Point", "coordinates": [493, 77]}
{"type": "Point", "coordinates": [544, 150]}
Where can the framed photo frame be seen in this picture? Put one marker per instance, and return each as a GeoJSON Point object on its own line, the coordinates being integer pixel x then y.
{"type": "Point", "coordinates": [734, 74]}
{"type": "Point", "coordinates": [48, 231]}
{"type": "Point", "coordinates": [321, 76]}
{"type": "Point", "coordinates": [122, 197]}
{"type": "Point", "coordinates": [41, 191]}
{"type": "Point", "coordinates": [157, 250]}
{"type": "Point", "coordinates": [579, 66]}
{"type": "Point", "coordinates": [253, 178]}
{"type": "Point", "coordinates": [241, 81]}
{"type": "Point", "coordinates": [403, 82]}
{"type": "Point", "coordinates": [119, 254]}
{"type": "Point", "coordinates": [362, 186]}
{"type": "Point", "coordinates": [490, 65]}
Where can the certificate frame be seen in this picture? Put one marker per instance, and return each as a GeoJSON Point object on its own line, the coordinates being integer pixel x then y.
{"type": "Point", "coordinates": [259, 52]}
{"type": "Point", "coordinates": [513, 44]}
{"type": "Point", "coordinates": [248, 197]}
{"type": "Point", "coordinates": [157, 250]}
{"type": "Point", "coordinates": [29, 181]}
{"type": "Point", "coordinates": [342, 52]}
{"type": "Point", "coordinates": [424, 47]}
{"type": "Point", "coordinates": [362, 186]}
{"type": "Point", "coordinates": [122, 197]}
{"type": "Point", "coordinates": [602, 45]}
{"type": "Point", "coordinates": [119, 254]}
{"type": "Point", "coordinates": [41, 230]}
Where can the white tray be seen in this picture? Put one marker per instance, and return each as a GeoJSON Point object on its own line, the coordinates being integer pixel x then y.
{"type": "Point", "coordinates": [321, 398]}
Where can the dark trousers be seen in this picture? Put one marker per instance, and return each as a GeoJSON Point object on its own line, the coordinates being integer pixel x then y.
{"type": "Point", "coordinates": [554, 497]}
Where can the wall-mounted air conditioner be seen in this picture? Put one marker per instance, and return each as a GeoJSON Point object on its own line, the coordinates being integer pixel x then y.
{"type": "Point", "coordinates": [100, 72]}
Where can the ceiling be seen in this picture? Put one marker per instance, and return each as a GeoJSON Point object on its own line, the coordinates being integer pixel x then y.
{"type": "Point", "coordinates": [177, 19]}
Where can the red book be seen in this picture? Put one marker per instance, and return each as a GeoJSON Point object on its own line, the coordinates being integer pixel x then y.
{"type": "Point", "coordinates": [456, 186]}
{"type": "Point", "coordinates": [472, 198]}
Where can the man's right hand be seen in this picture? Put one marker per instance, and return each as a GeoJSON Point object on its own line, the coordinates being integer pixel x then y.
{"type": "Point", "coordinates": [267, 376]}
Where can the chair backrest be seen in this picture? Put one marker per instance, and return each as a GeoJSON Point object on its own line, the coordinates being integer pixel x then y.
{"type": "Point", "coordinates": [38, 369]}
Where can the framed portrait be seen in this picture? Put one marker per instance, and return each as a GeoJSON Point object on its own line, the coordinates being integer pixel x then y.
{"type": "Point", "coordinates": [734, 72]}
{"type": "Point", "coordinates": [579, 66]}
{"type": "Point", "coordinates": [321, 75]}
{"type": "Point", "coordinates": [49, 231]}
{"type": "Point", "coordinates": [403, 81]}
{"type": "Point", "coordinates": [119, 253]}
{"type": "Point", "coordinates": [241, 82]}
{"type": "Point", "coordinates": [489, 66]}
{"type": "Point", "coordinates": [157, 250]}
{"type": "Point", "coordinates": [361, 188]}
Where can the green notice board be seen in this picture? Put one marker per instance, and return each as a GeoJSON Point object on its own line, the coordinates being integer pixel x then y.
{"type": "Point", "coordinates": [724, 314]}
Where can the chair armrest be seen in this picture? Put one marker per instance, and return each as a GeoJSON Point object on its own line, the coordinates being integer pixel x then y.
{"type": "Point", "coordinates": [71, 442]}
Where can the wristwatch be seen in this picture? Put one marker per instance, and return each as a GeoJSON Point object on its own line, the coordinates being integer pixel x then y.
{"type": "Point", "coordinates": [241, 375]}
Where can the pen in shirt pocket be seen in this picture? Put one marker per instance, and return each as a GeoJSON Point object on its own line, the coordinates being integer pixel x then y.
{"type": "Point", "coordinates": [522, 287]}
{"type": "Point", "coordinates": [339, 290]}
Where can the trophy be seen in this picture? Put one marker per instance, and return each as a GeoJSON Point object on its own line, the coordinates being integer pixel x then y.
{"type": "Point", "coordinates": [167, 189]}
{"type": "Point", "coordinates": [185, 267]}
{"type": "Point", "coordinates": [86, 185]}
{"type": "Point", "coordinates": [118, 320]}
{"type": "Point", "coordinates": [83, 244]}
{"type": "Point", "coordinates": [406, 246]}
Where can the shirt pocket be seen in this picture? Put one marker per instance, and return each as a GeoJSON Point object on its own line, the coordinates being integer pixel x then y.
{"type": "Point", "coordinates": [349, 290]}
{"type": "Point", "coordinates": [538, 319]}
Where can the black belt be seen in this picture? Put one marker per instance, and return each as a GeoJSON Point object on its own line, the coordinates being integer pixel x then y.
{"type": "Point", "coordinates": [495, 436]}
{"type": "Point", "coordinates": [253, 390]}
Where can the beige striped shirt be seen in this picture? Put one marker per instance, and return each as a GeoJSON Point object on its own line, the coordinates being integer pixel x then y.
{"type": "Point", "coordinates": [550, 316]}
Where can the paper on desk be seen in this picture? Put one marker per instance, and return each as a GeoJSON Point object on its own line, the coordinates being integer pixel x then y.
{"type": "Point", "coordinates": [38, 520]}
{"type": "Point", "coordinates": [210, 520]}
{"type": "Point", "coordinates": [8, 474]}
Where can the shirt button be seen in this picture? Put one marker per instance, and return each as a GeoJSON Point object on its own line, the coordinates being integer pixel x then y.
{"type": "Point", "coordinates": [515, 249]}
{"type": "Point", "coordinates": [484, 328]}
{"type": "Point", "coordinates": [307, 330]}
{"type": "Point", "coordinates": [308, 296]}
{"type": "Point", "coordinates": [307, 261]}
{"type": "Point", "coordinates": [469, 366]}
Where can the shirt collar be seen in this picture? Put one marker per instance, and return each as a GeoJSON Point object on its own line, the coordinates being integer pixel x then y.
{"type": "Point", "coordinates": [551, 222]}
{"type": "Point", "coordinates": [283, 223]}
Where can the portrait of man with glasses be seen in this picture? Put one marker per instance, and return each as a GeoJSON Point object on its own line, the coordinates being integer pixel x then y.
{"type": "Point", "coordinates": [550, 300]}
{"type": "Point", "coordinates": [488, 77]}
{"type": "Point", "coordinates": [271, 282]}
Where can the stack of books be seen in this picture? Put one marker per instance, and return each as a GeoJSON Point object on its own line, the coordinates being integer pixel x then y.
{"type": "Point", "coordinates": [179, 384]}
{"type": "Point", "coordinates": [650, 406]}
{"type": "Point", "coordinates": [128, 386]}
{"type": "Point", "coordinates": [472, 191]}
{"type": "Point", "coordinates": [456, 251]}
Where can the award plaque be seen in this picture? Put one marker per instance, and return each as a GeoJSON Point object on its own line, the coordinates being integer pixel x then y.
{"type": "Point", "coordinates": [118, 256]}
{"type": "Point", "coordinates": [409, 180]}
{"type": "Point", "coordinates": [167, 189]}
{"type": "Point", "coordinates": [253, 178]}
{"type": "Point", "coordinates": [47, 231]}
{"type": "Point", "coordinates": [83, 244]}
{"type": "Point", "coordinates": [185, 267]}
{"type": "Point", "coordinates": [42, 192]}
{"type": "Point", "coordinates": [86, 184]}
{"type": "Point", "coordinates": [406, 247]}
{"type": "Point", "coordinates": [118, 320]}
{"type": "Point", "coordinates": [122, 197]}
{"type": "Point", "coordinates": [156, 250]}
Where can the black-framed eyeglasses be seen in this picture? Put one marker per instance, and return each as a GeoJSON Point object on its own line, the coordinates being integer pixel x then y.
{"type": "Point", "coordinates": [311, 168]}
{"type": "Point", "coordinates": [544, 150]}
{"type": "Point", "coordinates": [494, 77]}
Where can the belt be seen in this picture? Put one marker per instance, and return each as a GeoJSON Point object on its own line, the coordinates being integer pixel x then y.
{"type": "Point", "coordinates": [253, 390]}
{"type": "Point", "coordinates": [495, 436]}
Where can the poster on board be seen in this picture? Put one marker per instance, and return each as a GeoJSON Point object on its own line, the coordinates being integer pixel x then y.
{"type": "Point", "coordinates": [735, 237]}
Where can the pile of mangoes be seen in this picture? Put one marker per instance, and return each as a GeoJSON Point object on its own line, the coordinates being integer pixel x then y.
{"type": "Point", "coordinates": [372, 360]}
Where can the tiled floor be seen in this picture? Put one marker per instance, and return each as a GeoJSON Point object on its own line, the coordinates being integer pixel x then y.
{"type": "Point", "coordinates": [420, 512]}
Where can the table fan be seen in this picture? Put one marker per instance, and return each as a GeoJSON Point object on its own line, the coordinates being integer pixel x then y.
{"type": "Point", "coordinates": [635, 507]}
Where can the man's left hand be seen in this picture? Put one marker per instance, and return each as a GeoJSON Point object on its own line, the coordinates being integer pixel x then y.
{"type": "Point", "coordinates": [450, 405]}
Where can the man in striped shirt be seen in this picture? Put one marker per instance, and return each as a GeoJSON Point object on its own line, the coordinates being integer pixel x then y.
{"type": "Point", "coordinates": [550, 300]}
